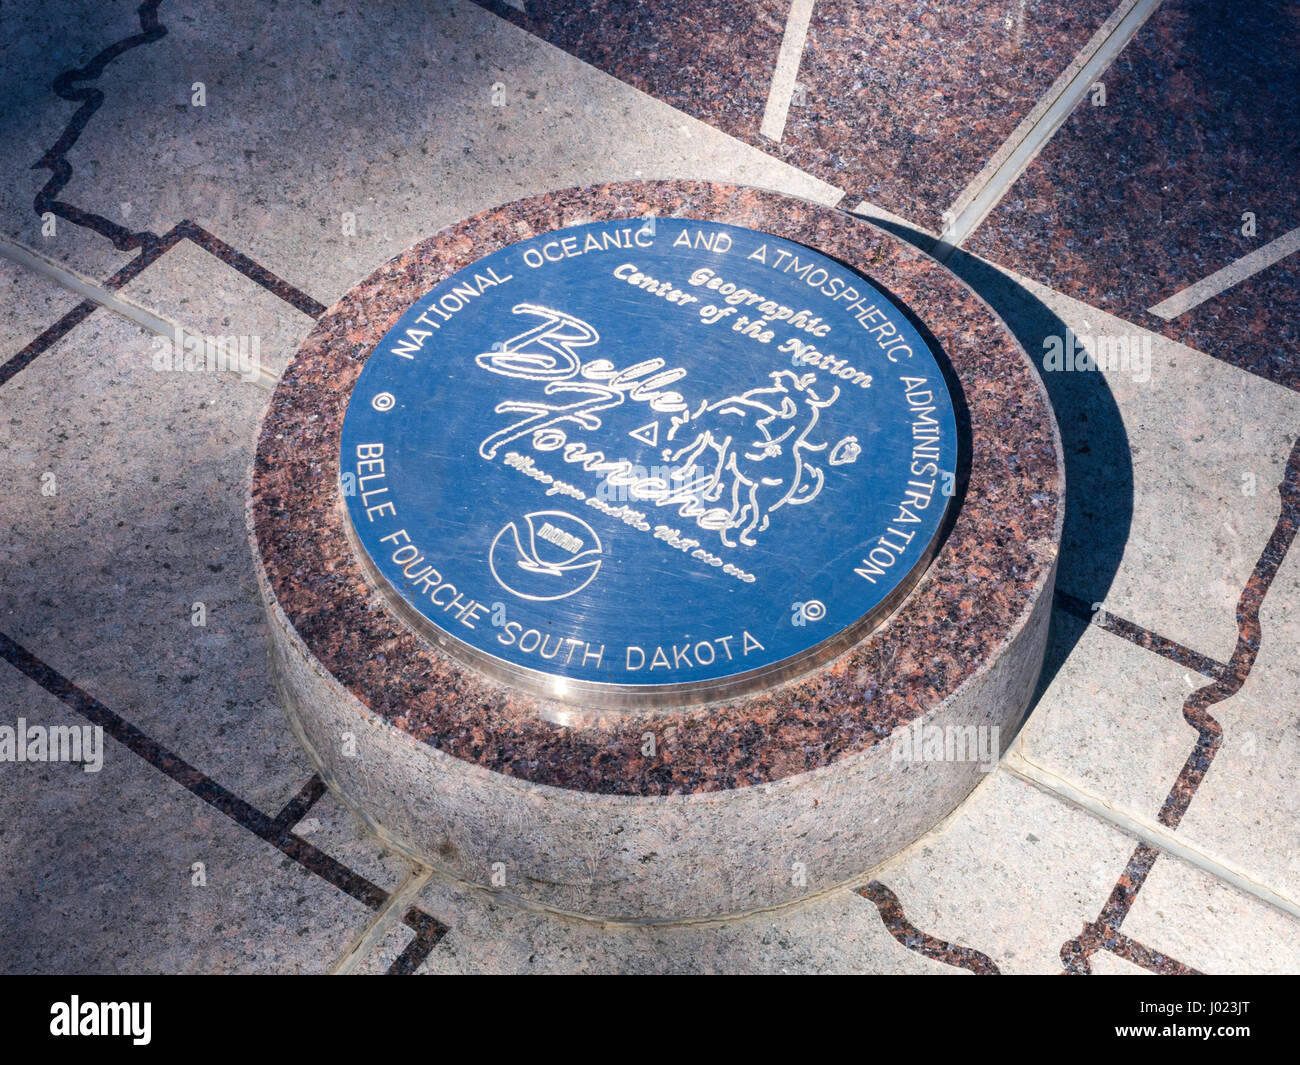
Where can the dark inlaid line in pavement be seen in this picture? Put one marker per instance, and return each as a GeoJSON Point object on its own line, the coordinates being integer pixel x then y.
{"type": "Point", "coordinates": [150, 253]}
{"type": "Point", "coordinates": [55, 159]}
{"type": "Point", "coordinates": [1103, 934]}
{"type": "Point", "coordinates": [428, 933]}
{"type": "Point", "coordinates": [158, 246]}
{"type": "Point", "coordinates": [151, 245]}
{"type": "Point", "coordinates": [271, 830]}
{"type": "Point", "coordinates": [1196, 708]}
{"type": "Point", "coordinates": [1151, 960]}
{"type": "Point", "coordinates": [296, 808]}
{"type": "Point", "coordinates": [1144, 638]}
{"type": "Point", "coordinates": [54, 333]}
{"type": "Point", "coordinates": [251, 269]}
{"type": "Point", "coordinates": [891, 913]}
{"type": "Point", "coordinates": [190, 778]}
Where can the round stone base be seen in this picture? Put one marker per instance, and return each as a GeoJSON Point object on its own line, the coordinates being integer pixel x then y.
{"type": "Point", "coordinates": [665, 813]}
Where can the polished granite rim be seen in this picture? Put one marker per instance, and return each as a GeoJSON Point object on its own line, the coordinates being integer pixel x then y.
{"type": "Point", "coordinates": [978, 594]}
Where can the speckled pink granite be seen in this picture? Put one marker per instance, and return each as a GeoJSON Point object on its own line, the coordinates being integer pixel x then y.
{"type": "Point", "coordinates": [1134, 201]}
{"type": "Point", "coordinates": [899, 102]}
{"type": "Point", "coordinates": [979, 591]}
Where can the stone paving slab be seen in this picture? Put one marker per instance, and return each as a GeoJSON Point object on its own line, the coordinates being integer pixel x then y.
{"type": "Point", "coordinates": [1135, 200]}
{"type": "Point", "coordinates": [1247, 809]}
{"type": "Point", "coordinates": [1112, 722]}
{"type": "Point", "coordinates": [99, 875]}
{"type": "Point", "coordinates": [1173, 460]}
{"type": "Point", "coordinates": [838, 934]}
{"type": "Point", "coordinates": [1191, 915]}
{"type": "Point", "coordinates": [1111, 718]}
{"type": "Point", "coordinates": [1016, 873]}
{"type": "Point", "coordinates": [1012, 874]}
{"type": "Point", "coordinates": [202, 294]}
{"type": "Point", "coordinates": [104, 576]}
{"type": "Point", "coordinates": [366, 160]}
{"type": "Point", "coordinates": [40, 42]}
{"type": "Point", "coordinates": [33, 303]}
{"type": "Point", "coordinates": [901, 103]}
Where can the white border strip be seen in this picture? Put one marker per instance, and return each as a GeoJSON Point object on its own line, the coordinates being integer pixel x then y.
{"type": "Point", "coordinates": [1165, 839]}
{"type": "Point", "coordinates": [1232, 274]}
{"type": "Point", "coordinates": [787, 70]}
{"type": "Point", "coordinates": [406, 895]}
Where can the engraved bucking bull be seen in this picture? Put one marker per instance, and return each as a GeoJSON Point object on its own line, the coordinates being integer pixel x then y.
{"type": "Point", "coordinates": [754, 449]}
{"type": "Point", "coordinates": [749, 454]}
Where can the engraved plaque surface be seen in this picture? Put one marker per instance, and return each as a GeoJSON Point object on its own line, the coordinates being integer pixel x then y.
{"type": "Point", "coordinates": [648, 461]}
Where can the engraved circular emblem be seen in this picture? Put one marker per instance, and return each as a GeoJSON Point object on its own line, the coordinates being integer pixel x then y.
{"type": "Point", "coordinates": [649, 462]}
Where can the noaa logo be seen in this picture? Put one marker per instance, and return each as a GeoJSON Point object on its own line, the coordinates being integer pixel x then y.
{"type": "Point", "coordinates": [546, 555]}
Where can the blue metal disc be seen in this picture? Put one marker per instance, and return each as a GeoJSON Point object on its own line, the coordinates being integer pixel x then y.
{"type": "Point", "coordinates": [648, 458]}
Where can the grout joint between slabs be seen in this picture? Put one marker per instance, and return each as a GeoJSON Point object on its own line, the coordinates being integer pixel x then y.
{"type": "Point", "coordinates": [406, 895]}
{"type": "Point", "coordinates": [1018, 764]}
{"type": "Point", "coordinates": [123, 306]}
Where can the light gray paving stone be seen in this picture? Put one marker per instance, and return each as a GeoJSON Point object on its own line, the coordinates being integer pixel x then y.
{"type": "Point", "coordinates": [1247, 810]}
{"type": "Point", "coordinates": [347, 109]}
{"type": "Point", "coordinates": [215, 704]}
{"type": "Point", "coordinates": [40, 42]}
{"type": "Point", "coordinates": [1111, 720]}
{"type": "Point", "coordinates": [839, 933]}
{"type": "Point", "coordinates": [97, 872]}
{"type": "Point", "coordinates": [1017, 872]}
{"type": "Point", "coordinates": [147, 519]}
{"type": "Point", "coordinates": [1014, 873]}
{"type": "Point", "coordinates": [1187, 914]}
{"type": "Point", "coordinates": [1111, 723]}
{"type": "Point", "coordinates": [333, 828]}
{"type": "Point", "coordinates": [32, 303]}
{"type": "Point", "coordinates": [1171, 482]}
{"type": "Point", "coordinates": [206, 297]}
{"type": "Point", "coordinates": [1106, 964]}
